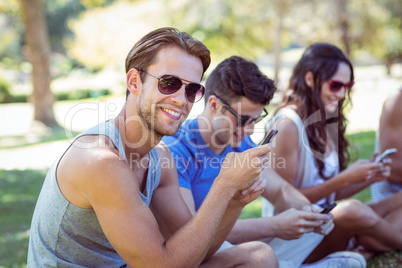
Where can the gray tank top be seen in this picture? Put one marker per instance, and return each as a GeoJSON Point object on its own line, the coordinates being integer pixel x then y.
{"type": "Point", "coordinates": [64, 235]}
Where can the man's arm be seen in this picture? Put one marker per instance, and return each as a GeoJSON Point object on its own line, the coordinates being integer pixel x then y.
{"type": "Point", "coordinates": [390, 132]}
{"type": "Point", "coordinates": [291, 223]}
{"type": "Point", "coordinates": [98, 179]}
{"type": "Point", "coordinates": [281, 194]}
{"type": "Point", "coordinates": [173, 207]}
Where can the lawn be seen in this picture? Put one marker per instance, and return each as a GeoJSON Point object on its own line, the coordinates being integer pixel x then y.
{"type": "Point", "coordinates": [19, 190]}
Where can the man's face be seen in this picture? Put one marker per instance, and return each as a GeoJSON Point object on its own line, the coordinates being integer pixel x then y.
{"type": "Point", "coordinates": [225, 124]}
{"type": "Point", "coordinates": [164, 114]}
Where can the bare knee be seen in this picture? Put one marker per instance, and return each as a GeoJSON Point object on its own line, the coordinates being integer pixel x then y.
{"type": "Point", "coordinates": [250, 254]}
{"type": "Point", "coordinates": [355, 214]}
{"type": "Point", "coordinates": [260, 255]}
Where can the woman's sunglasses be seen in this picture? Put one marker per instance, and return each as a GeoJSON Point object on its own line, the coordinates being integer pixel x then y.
{"type": "Point", "coordinates": [242, 120]}
{"type": "Point", "coordinates": [169, 84]}
{"type": "Point", "coordinates": [335, 86]}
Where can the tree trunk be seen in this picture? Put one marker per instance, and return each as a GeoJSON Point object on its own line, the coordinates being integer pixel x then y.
{"type": "Point", "coordinates": [343, 23]}
{"type": "Point", "coordinates": [38, 53]}
{"type": "Point", "coordinates": [280, 8]}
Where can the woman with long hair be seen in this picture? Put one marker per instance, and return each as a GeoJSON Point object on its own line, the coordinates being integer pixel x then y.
{"type": "Point", "coordinates": [311, 153]}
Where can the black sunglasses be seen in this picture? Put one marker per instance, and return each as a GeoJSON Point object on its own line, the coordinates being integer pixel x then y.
{"type": "Point", "coordinates": [242, 120]}
{"type": "Point", "coordinates": [169, 84]}
{"type": "Point", "coordinates": [335, 85]}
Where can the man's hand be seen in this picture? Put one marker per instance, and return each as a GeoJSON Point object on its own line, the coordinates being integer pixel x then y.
{"type": "Point", "coordinates": [240, 171]}
{"type": "Point", "coordinates": [293, 223]}
{"type": "Point", "coordinates": [249, 195]}
{"type": "Point", "coordinates": [327, 226]}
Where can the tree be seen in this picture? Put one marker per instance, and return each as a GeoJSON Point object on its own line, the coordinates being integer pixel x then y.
{"type": "Point", "coordinates": [38, 53]}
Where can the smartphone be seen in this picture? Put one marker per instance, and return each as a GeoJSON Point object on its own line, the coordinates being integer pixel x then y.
{"type": "Point", "coordinates": [387, 153]}
{"type": "Point", "coordinates": [270, 136]}
{"type": "Point", "coordinates": [328, 208]}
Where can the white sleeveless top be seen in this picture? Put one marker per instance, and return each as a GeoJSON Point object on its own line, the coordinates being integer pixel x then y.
{"type": "Point", "coordinates": [307, 172]}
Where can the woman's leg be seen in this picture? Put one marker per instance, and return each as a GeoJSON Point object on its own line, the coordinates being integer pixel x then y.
{"type": "Point", "coordinates": [355, 219]}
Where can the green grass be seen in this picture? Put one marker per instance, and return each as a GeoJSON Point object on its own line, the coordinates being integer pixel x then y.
{"type": "Point", "coordinates": [18, 193]}
{"type": "Point", "coordinates": [18, 141]}
{"type": "Point", "coordinates": [19, 190]}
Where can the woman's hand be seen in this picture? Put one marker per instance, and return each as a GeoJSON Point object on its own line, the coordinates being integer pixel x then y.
{"type": "Point", "coordinates": [362, 171]}
{"type": "Point", "coordinates": [384, 171]}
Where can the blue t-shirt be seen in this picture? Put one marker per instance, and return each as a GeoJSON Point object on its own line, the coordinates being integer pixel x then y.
{"type": "Point", "coordinates": [197, 165]}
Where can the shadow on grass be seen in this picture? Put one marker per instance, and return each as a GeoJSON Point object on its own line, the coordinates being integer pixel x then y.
{"type": "Point", "coordinates": [36, 137]}
{"type": "Point", "coordinates": [19, 190]}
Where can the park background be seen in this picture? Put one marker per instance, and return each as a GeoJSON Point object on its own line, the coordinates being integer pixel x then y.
{"type": "Point", "coordinates": [62, 71]}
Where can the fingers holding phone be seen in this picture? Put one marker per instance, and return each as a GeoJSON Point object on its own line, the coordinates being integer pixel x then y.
{"type": "Point", "coordinates": [385, 155]}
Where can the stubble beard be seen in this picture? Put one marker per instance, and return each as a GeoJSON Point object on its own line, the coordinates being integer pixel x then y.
{"type": "Point", "coordinates": [147, 113]}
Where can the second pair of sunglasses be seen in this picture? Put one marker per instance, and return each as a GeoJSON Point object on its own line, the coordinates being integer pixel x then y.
{"type": "Point", "coordinates": [335, 85]}
{"type": "Point", "coordinates": [169, 84]}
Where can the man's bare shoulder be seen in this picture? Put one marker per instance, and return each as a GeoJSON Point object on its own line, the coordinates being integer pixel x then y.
{"type": "Point", "coordinates": [391, 115]}
{"type": "Point", "coordinates": [93, 151]}
{"type": "Point", "coordinates": [92, 166]}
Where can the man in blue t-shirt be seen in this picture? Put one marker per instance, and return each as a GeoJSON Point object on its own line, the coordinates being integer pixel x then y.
{"type": "Point", "coordinates": [236, 95]}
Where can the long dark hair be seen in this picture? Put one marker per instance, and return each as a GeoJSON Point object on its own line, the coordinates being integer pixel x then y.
{"type": "Point", "coordinates": [322, 60]}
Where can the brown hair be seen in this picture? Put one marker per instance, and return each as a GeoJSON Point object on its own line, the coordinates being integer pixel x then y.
{"type": "Point", "coordinates": [237, 77]}
{"type": "Point", "coordinates": [144, 52]}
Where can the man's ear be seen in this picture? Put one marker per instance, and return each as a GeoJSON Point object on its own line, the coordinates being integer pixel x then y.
{"type": "Point", "coordinates": [309, 79]}
{"type": "Point", "coordinates": [133, 81]}
{"type": "Point", "coordinates": [213, 103]}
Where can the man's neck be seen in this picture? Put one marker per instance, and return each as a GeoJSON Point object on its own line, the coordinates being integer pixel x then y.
{"type": "Point", "coordinates": [206, 131]}
{"type": "Point", "coordinates": [137, 139]}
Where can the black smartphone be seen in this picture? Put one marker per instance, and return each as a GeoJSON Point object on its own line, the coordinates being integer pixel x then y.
{"type": "Point", "coordinates": [328, 208]}
{"type": "Point", "coordinates": [270, 136]}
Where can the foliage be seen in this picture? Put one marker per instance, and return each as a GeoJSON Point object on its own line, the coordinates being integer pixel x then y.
{"type": "Point", "coordinates": [5, 95]}
{"type": "Point", "coordinates": [58, 12]}
{"type": "Point", "coordinates": [79, 94]}
{"type": "Point", "coordinates": [10, 38]}
{"type": "Point", "coordinates": [226, 28]}
{"type": "Point", "coordinates": [102, 40]}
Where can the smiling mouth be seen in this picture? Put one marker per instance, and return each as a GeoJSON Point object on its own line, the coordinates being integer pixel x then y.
{"type": "Point", "coordinates": [172, 114]}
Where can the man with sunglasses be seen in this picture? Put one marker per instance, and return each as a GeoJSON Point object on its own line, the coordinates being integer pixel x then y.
{"type": "Point", "coordinates": [112, 199]}
{"type": "Point", "coordinates": [236, 95]}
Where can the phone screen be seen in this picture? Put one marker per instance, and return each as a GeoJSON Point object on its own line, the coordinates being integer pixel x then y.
{"type": "Point", "coordinates": [327, 209]}
{"type": "Point", "coordinates": [270, 136]}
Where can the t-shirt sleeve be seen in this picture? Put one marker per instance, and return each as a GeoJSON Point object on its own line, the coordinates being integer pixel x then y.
{"type": "Point", "coordinates": [183, 159]}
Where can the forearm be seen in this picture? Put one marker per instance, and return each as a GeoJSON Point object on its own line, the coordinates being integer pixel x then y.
{"type": "Point", "coordinates": [191, 244]}
{"type": "Point", "coordinates": [289, 197]}
{"type": "Point", "coordinates": [281, 193]}
{"type": "Point", "coordinates": [228, 221]}
{"type": "Point", "coordinates": [318, 192]}
{"type": "Point", "coordinates": [351, 189]}
{"type": "Point", "coordinates": [252, 229]}
{"type": "Point", "coordinates": [395, 177]}
{"type": "Point", "coordinates": [396, 170]}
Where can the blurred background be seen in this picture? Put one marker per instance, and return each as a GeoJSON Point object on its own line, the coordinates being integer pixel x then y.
{"type": "Point", "coordinates": [62, 71]}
